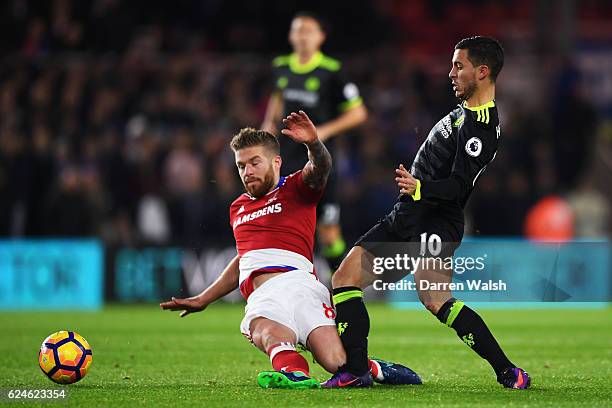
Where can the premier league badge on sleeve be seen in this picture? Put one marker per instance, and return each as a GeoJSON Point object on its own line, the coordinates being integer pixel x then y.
{"type": "Point", "coordinates": [473, 147]}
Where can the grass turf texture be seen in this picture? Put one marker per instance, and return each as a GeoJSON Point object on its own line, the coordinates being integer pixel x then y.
{"type": "Point", "coordinates": [144, 356]}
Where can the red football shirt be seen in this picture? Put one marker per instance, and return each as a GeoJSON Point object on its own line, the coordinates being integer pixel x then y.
{"type": "Point", "coordinates": [275, 233]}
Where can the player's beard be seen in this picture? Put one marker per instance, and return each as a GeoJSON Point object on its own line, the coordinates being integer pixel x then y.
{"type": "Point", "coordinates": [262, 187]}
{"type": "Point", "coordinates": [470, 89]}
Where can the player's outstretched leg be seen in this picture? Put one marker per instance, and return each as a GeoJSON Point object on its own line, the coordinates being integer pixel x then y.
{"type": "Point", "coordinates": [473, 331]}
{"type": "Point", "coordinates": [278, 342]}
{"type": "Point", "coordinates": [469, 326]}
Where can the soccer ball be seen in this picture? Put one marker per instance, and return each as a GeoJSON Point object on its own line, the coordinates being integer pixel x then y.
{"type": "Point", "coordinates": [65, 357]}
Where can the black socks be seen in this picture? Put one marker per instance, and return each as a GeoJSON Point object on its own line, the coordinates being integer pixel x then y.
{"type": "Point", "coordinates": [353, 325]}
{"type": "Point", "coordinates": [473, 331]}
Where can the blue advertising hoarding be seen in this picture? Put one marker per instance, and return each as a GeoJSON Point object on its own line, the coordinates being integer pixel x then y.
{"type": "Point", "coordinates": [510, 271]}
{"type": "Point", "coordinates": [81, 274]}
{"type": "Point", "coordinates": [51, 274]}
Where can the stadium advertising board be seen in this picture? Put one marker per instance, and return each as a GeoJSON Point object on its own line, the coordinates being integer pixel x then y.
{"type": "Point", "coordinates": [51, 274]}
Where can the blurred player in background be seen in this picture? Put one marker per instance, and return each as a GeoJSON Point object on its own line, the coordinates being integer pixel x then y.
{"type": "Point", "coordinates": [274, 227]}
{"type": "Point", "coordinates": [309, 80]}
{"type": "Point", "coordinates": [430, 210]}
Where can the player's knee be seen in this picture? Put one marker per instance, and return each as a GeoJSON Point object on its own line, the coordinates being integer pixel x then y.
{"type": "Point", "coordinates": [256, 340]}
{"type": "Point", "coordinates": [268, 336]}
{"type": "Point", "coordinates": [264, 334]}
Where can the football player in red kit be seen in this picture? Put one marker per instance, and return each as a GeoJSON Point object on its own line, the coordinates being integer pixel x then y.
{"type": "Point", "coordinates": [274, 225]}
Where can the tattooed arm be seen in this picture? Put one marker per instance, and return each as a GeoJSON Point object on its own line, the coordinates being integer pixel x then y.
{"type": "Point", "coordinates": [301, 130]}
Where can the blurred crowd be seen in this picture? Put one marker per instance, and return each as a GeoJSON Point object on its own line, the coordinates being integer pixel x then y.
{"type": "Point", "coordinates": [113, 129]}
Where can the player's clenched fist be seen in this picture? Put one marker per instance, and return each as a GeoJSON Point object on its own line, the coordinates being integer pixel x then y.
{"type": "Point", "coordinates": [300, 128]}
{"type": "Point", "coordinates": [406, 183]}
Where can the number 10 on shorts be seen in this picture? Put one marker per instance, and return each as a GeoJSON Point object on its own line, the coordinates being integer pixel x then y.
{"type": "Point", "coordinates": [433, 244]}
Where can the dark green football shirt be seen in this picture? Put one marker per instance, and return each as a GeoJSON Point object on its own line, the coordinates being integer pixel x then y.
{"type": "Point", "coordinates": [456, 152]}
{"type": "Point", "coordinates": [320, 89]}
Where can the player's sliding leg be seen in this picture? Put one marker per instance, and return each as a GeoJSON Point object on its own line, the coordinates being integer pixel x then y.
{"type": "Point", "coordinates": [469, 326]}
{"type": "Point", "coordinates": [278, 342]}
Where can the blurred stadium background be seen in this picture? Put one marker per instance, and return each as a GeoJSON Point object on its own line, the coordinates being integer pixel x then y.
{"type": "Point", "coordinates": [115, 117]}
{"type": "Point", "coordinates": [115, 180]}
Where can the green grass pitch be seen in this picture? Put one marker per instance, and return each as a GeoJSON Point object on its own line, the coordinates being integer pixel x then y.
{"type": "Point", "coordinates": [143, 356]}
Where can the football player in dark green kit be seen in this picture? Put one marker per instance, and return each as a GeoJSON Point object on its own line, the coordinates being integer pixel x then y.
{"type": "Point", "coordinates": [430, 211]}
{"type": "Point", "coordinates": [311, 81]}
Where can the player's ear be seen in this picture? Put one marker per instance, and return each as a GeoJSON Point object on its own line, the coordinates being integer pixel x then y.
{"type": "Point", "coordinates": [278, 161]}
{"type": "Point", "coordinates": [482, 72]}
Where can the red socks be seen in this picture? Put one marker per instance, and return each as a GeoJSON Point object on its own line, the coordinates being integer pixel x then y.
{"type": "Point", "coordinates": [284, 357]}
{"type": "Point", "coordinates": [375, 370]}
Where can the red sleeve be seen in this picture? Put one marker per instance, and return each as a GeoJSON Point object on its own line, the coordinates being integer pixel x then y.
{"type": "Point", "coordinates": [232, 211]}
{"type": "Point", "coordinates": [304, 190]}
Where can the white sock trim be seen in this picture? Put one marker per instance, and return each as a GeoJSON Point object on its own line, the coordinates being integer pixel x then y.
{"type": "Point", "coordinates": [282, 346]}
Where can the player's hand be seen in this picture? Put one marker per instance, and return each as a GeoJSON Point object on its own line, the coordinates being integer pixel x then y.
{"type": "Point", "coordinates": [406, 183]}
{"type": "Point", "coordinates": [188, 305]}
{"type": "Point", "coordinates": [300, 128]}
